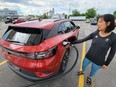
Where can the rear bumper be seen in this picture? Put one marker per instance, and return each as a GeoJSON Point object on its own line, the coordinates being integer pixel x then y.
{"type": "Point", "coordinates": [41, 68]}
{"type": "Point", "coordinates": [26, 74]}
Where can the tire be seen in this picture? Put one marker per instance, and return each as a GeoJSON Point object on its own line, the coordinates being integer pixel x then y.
{"type": "Point", "coordinates": [5, 22]}
{"type": "Point", "coordinates": [64, 61]}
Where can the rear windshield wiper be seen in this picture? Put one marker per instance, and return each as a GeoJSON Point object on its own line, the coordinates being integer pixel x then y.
{"type": "Point", "coordinates": [9, 40]}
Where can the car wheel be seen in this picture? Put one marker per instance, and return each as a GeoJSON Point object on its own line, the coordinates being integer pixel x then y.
{"type": "Point", "coordinates": [5, 22]}
{"type": "Point", "coordinates": [64, 61]}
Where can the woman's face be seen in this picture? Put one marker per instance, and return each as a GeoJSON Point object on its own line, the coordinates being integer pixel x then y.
{"type": "Point", "coordinates": [101, 24]}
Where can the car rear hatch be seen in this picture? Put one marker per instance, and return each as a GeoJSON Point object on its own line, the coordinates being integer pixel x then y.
{"type": "Point", "coordinates": [21, 39]}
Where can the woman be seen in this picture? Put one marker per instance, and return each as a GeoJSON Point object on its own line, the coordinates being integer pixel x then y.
{"type": "Point", "coordinates": [102, 40]}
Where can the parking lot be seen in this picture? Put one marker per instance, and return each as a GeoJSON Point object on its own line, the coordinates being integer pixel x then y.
{"type": "Point", "coordinates": [104, 78]}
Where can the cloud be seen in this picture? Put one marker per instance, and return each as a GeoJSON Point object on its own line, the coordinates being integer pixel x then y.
{"type": "Point", "coordinates": [23, 2]}
{"type": "Point", "coordinates": [60, 6]}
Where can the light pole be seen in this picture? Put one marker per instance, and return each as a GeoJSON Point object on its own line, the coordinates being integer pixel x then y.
{"type": "Point", "coordinates": [98, 7]}
{"type": "Point", "coordinates": [69, 10]}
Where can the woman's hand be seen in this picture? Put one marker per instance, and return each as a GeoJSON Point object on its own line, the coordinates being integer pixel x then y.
{"type": "Point", "coordinates": [104, 67]}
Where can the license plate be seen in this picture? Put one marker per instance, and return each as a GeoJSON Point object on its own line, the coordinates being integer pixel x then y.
{"type": "Point", "coordinates": [16, 68]}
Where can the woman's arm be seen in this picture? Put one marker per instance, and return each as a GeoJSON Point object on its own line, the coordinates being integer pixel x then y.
{"type": "Point", "coordinates": [84, 39]}
{"type": "Point", "coordinates": [111, 53]}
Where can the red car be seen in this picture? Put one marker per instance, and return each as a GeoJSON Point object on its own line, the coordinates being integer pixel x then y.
{"type": "Point", "coordinates": [34, 49]}
{"type": "Point", "coordinates": [18, 21]}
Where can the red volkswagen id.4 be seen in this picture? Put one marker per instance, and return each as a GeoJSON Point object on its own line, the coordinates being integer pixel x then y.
{"type": "Point", "coordinates": [34, 49]}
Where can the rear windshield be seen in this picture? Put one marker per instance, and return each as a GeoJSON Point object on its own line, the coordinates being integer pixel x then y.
{"type": "Point", "coordinates": [25, 36]}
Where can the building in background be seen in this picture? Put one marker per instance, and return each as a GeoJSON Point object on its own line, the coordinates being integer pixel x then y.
{"type": "Point", "coordinates": [78, 18]}
{"type": "Point", "coordinates": [51, 12]}
{"type": "Point", "coordinates": [58, 16]}
{"type": "Point", "coordinates": [8, 13]}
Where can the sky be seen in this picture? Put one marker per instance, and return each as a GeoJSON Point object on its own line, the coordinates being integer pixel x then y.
{"type": "Point", "coordinates": [38, 7]}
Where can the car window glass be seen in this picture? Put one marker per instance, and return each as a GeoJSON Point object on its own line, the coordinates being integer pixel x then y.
{"type": "Point", "coordinates": [26, 36]}
{"type": "Point", "coordinates": [67, 26]}
{"type": "Point", "coordinates": [61, 28]}
{"type": "Point", "coordinates": [23, 37]}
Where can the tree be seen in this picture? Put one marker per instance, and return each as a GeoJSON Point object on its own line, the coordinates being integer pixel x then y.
{"type": "Point", "coordinates": [115, 14]}
{"type": "Point", "coordinates": [31, 15]}
{"type": "Point", "coordinates": [97, 16]}
{"type": "Point", "coordinates": [83, 14]}
{"type": "Point", "coordinates": [75, 13]}
{"type": "Point", "coordinates": [45, 16]}
{"type": "Point", "coordinates": [91, 13]}
{"type": "Point", "coordinates": [65, 15]}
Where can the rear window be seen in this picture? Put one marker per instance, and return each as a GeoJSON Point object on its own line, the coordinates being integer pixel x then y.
{"type": "Point", "coordinates": [25, 36]}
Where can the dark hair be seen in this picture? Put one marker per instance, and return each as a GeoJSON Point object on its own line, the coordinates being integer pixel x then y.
{"type": "Point", "coordinates": [109, 18]}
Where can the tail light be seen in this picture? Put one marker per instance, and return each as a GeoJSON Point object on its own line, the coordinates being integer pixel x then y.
{"type": "Point", "coordinates": [34, 55]}
{"type": "Point", "coordinates": [41, 55]}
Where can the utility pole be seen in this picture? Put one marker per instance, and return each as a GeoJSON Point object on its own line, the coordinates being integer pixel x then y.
{"type": "Point", "coordinates": [69, 10]}
{"type": "Point", "coordinates": [98, 7]}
